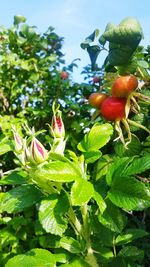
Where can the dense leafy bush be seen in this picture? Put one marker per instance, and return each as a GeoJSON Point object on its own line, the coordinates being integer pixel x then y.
{"type": "Point", "coordinates": [74, 186]}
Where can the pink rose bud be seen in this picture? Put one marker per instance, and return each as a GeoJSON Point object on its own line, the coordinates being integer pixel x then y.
{"type": "Point", "coordinates": [38, 152]}
{"type": "Point", "coordinates": [18, 142]}
{"type": "Point", "coordinates": [58, 130]}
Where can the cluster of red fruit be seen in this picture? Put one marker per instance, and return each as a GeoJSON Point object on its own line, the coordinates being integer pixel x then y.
{"type": "Point", "coordinates": [113, 107]}
{"type": "Point", "coordinates": [117, 106]}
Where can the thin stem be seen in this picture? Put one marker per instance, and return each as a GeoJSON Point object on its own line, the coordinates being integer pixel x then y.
{"type": "Point", "coordinates": [114, 247]}
{"type": "Point", "coordinates": [136, 124]}
{"type": "Point", "coordinates": [126, 125]}
{"type": "Point", "coordinates": [135, 103]}
{"type": "Point", "coordinates": [90, 258]}
{"type": "Point", "coordinates": [74, 221]}
{"type": "Point", "coordinates": [119, 131]}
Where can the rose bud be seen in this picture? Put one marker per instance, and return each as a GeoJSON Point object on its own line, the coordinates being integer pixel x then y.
{"type": "Point", "coordinates": [58, 130]}
{"type": "Point", "coordinates": [37, 151]}
{"type": "Point", "coordinates": [18, 142]}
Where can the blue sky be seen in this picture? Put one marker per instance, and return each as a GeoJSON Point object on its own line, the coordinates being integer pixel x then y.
{"type": "Point", "coordinates": [76, 19]}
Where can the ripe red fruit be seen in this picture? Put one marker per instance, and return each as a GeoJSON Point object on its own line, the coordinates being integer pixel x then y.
{"type": "Point", "coordinates": [113, 108]}
{"type": "Point", "coordinates": [96, 79]}
{"type": "Point", "coordinates": [64, 75]}
{"type": "Point", "coordinates": [96, 99]}
{"type": "Point", "coordinates": [124, 85]}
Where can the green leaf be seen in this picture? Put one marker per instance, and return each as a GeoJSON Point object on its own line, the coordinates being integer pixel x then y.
{"type": "Point", "coordinates": [102, 236]}
{"type": "Point", "coordinates": [81, 192]}
{"type": "Point", "coordinates": [34, 258]}
{"type": "Point", "coordinates": [132, 253]}
{"type": "Point", "coordinates": [129, 31]}
{"type": "Point", "coordinates": [89, 39]}
{"type": "Point", "coordinates": [62, 256]}
{"type": "Point", "coordinates": [138, 165]}
{"type": "Point", "coordinates": [143, 64]}
{"type": "Point", "coordinates": [57, 171]}
{"type": "Point", "coordinates": [134, 148]}
{"type": "Point", "coordinates": [112, 218]}
{"type": "Point", "coordinates": [7, 238]}
{"type": "Point", "coordinates": [92, 156]}
{"type": "Point", "coordinates": [102, 167]}
{"type": "Point", "coordinates": [100, 201]}
{"type": "Point", "coordinates": [76, 262]}
{"type": "Point", "coordinates": [14, 178]}
{"type": "Point", "coordinates": [49, 241]}
{"type": "Point", "coordinates": [20, 198]}
{"type": "Point", "coordinates": [19, 19]}
{"type": "Point", "coordinates": [123, 41]}
{"type": "Point", "coordinates": [70, 244]}
{"type": "Point", "coordinates": [98, 136]}
{"type": "Point", "coordinates": [129, 193]}
{"type": "Point", "coordinates": [51, 213]}
{"type": "Point", "coordinates": [86, 43]}
{"type": "Point", "coordinates": [129, 236]}
{"type": "Point", "coordinates": [93, 35]}
{"type": "Point", "coordinates": [117, 168]}
{"type": "Point", "coordinates": [5, 146]}
{"type": "Point", "coordinates": [93, 52]}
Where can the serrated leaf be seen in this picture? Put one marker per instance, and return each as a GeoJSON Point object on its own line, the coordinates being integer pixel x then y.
{"type": "Point", "coordinates": [102, 236]}
{"type": "Point", "coordinates": [117, 168]}
{"type": "Point", "coordinates": [131, 252]}
{"type": "Point", "coordinates": [129, 236]}
{"type": "Point", "coordinates": [92, 156]}
{"type": "Point", "coordinates": [102, 167]}
{"type": "Point", "coordinates": [134, 148]}
{"type": "Point", "coordinates": [70, 244]}
{"type": "Point", "coordinates": [14, 178]}
{"type": "Point", "coordinates": [35, 258]}
{"type": "Point", "coordinates": [49, 241]}
{"type": "Point", "coordinates": [5, 146]}
{"type": "Point", "coordinates": [98, 136]}
{"type": "Point", "coordinates": [138, 165]}
{"type": "Point", "coordinates": [7, 238]}
{"type": "Point", "coordinates": [51, 213]}
{"type": "Point", "coordinates": [20, 198]}
{"type": "Point", "coordinates": [57, 171]}
{"type": "Point", "coordinates": [112, 218]}
{"type": "Point", "coordinates": [100, 201]}
{"type": "Point", "coordinates": [129, 193]}
{"type": "Point", "coordinates": [142, 63]}
{"type": "Point", "coordinates": [81, 192]}
{"type": "Point", "coordinates": [76, 262]}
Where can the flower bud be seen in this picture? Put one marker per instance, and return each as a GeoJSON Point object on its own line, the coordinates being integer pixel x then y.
{"type": "Point", "coordinates": [18, 142]}
{"type": "Point", "coordinates": [38, 152]}
{"type": "Point", "coordinates": [59, 146]}
{"type": "Point", "coordinates": [58, 130]}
